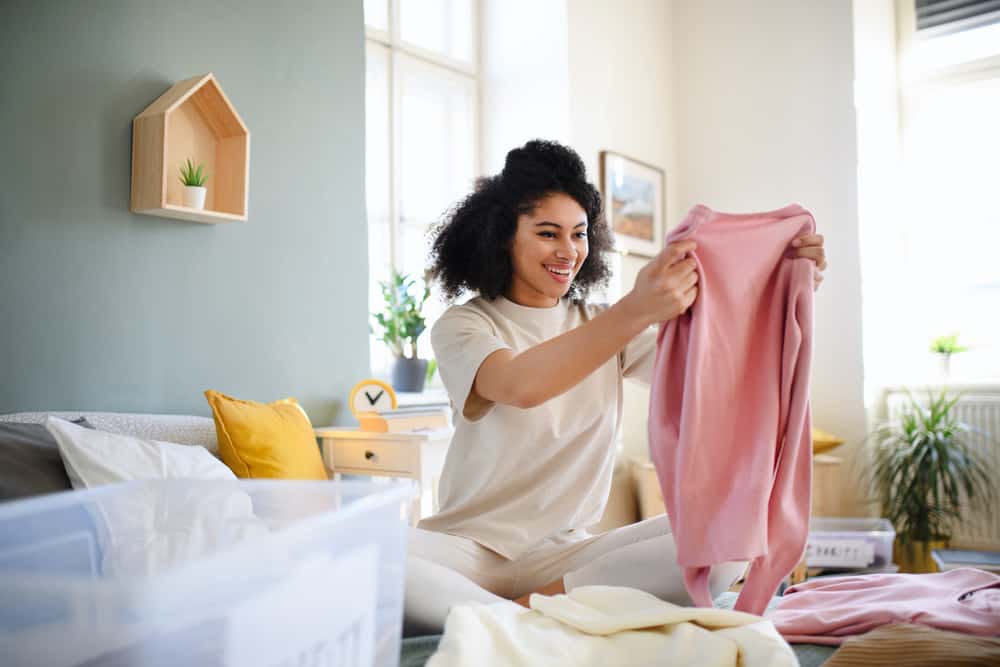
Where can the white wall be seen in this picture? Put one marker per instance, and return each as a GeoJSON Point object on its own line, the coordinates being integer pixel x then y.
{"type": "Point", "coordinates": [765, 116]}
{"type": "Point", "coordinates": [525, 74]}
{"type": "Point", "coordinates": [746, 106]}
{"type": "Point", "coordinates": [621, 85]}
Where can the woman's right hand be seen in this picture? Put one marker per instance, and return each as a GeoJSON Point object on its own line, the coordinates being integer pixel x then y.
{"type": "Point", "coordinates": [668, 284]}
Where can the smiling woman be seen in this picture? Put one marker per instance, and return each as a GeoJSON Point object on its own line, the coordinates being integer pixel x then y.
{"type": "Point", "coordinates": [474, 249]}
{"type": "Point", "coordinates": [548, 249]}
{"type": "Point", "coordinates": [535, 374]}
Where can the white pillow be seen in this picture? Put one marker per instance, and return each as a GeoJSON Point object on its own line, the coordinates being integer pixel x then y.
{"type": "Point", "coordinates": [93, 458]}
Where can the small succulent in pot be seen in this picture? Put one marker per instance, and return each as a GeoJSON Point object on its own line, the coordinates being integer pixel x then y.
{"type": "Point", "coordinates": [945, 346]}
{"type": "Point", "coordinates": [193, 178]}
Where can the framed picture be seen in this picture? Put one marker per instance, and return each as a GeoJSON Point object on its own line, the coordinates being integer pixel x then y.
{"type": "Point", "coordinates": [633, 194]}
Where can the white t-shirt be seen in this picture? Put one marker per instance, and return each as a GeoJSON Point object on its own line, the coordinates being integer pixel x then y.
{"type": "Point", "coordinates": [514, 477]}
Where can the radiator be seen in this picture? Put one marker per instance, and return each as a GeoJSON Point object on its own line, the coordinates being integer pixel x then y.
{"type": "Point", "coordinates": [979, 407]}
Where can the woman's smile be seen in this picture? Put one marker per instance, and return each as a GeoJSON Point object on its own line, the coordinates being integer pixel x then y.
{"type": "Point", "coordinates": [561, 273]}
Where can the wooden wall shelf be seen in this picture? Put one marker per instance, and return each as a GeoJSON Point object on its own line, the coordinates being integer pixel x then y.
{"type": "Point", "coordinates": [193, 119]}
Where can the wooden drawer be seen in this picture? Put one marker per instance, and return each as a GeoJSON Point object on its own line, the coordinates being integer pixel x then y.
{"type": "Point", "coordinates": [371, 456]}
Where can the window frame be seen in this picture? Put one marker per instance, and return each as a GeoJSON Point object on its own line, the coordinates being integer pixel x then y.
{"type": "Point", "coordinates": [398, 49]}
{"type": "Point", "coordinates": [917, 84]}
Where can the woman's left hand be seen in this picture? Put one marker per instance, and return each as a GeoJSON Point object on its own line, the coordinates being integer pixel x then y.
{"type": "Point", "coordinates": [810, 246]}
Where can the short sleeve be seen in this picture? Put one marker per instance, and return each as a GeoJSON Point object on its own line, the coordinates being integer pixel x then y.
{"type": "Point", "coordinates": [639, 356]}
{"type": "Point", "coordinates": [462, 339]}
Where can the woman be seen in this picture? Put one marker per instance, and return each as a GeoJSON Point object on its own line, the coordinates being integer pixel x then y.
{"type": "Point", "coordinates": [535, 374]}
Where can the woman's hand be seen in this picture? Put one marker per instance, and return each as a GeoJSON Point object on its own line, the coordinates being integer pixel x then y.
{"type": "Point", "coordinates": [667, 285]}
{"type": "Point", "coordinates": [810, 246]}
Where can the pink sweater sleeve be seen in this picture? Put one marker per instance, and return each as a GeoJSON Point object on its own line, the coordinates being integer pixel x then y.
{"type": "Point", "coordinates": [729, 423]}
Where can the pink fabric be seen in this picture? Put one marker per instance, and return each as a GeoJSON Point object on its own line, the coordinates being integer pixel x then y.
{"type": "Point", "coordinates": [729, 423]}
{"type": "Point", "coordinates": [830, 610]}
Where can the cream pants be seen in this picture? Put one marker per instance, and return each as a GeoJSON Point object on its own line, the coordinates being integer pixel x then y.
{"type": "Point", "coordinates": [444, 570]}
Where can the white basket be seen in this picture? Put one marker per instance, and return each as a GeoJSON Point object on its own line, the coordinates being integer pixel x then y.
{"type": "Point", "coordinates": [850, 543]}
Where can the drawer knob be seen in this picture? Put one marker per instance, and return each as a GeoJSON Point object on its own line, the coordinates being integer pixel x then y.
{"type": "Point", "coordinates": [369, 455]}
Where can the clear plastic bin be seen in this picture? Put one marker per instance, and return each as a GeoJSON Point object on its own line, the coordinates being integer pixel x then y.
{"type": "Point", "coordinates": [850, 543]}
{"type": "Point", "coordinates": [250, 572]}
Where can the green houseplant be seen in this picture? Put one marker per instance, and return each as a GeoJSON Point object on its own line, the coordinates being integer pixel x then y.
{"type": "Point", "coordinates": [193, 178]}
{"type": "Point", "coordinates": [401, 323]}
{"type": "Point", "coordinates": [945, 346]}
{"type": "Point", "coordinates": [925, 473]}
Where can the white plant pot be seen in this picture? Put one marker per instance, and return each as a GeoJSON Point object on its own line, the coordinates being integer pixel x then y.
{"type": "Point", "coordinates": [194, 197]}
{"type": "Point", "coordinates": [944, 366]}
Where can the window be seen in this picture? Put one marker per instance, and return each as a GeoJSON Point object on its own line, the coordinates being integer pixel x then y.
{"type": "Point", "coordinates": [422, 131]}
{"type": "Point", "coordinates": [950, 139]}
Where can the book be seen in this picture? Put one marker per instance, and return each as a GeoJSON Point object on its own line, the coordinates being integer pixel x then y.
{"type": "Point", "coordinates": [404, 420]}
{"type": "Point", "coordinates": [949, 559]}
{"type": "Point", "coordinates": [412, 410]}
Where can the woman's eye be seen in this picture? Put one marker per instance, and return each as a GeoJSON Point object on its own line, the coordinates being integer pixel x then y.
{"type": "Point", "coordinates": [552, 235]}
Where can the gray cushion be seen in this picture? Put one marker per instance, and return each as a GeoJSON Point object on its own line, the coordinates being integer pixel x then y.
{"type": "Point", "coordinates": [181, 429]}
{"type": "Point", "coordinates": [29, 461]}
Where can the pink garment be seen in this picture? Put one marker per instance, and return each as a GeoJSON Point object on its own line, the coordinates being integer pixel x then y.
{"type": "Point", "coordinates": [729, 423]}
{"type": "Point", "coordinates": [830, 610]}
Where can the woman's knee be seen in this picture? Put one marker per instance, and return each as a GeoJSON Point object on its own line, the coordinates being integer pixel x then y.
{"type": "Point", "coordinates": [647, 529]}
{"type": "Point", "coordinates": [462, 556]}
{"type": "Point", "coordinates": [431, 590]}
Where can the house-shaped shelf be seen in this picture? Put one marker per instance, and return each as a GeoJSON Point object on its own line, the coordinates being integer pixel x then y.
{"type": "Point", "coordinates": [193, 119]}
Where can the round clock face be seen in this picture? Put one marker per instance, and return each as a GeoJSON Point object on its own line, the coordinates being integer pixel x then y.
{"type": "Point", "coordinates": [372, 396]}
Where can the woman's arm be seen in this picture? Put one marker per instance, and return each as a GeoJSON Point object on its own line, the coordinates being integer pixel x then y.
{"type": "Point", "coordinates": [664, 288]}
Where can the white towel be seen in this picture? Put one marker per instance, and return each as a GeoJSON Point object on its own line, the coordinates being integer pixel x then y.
{"type": "Point", "coordinates": [607, 625]}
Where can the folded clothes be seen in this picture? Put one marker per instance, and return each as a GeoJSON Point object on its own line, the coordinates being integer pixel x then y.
{"type": "Point", "coordinates": [829, 610]}
{"type": "Point", "coordinates": [607, 625]}
{"type": "Point", "coordinates": [916, 646]}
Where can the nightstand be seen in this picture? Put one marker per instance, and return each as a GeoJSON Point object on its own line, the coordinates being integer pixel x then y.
{"type": "Point", "coordinates": [415, 455]}
{"type": "Point", "coordinates": [826, 493]}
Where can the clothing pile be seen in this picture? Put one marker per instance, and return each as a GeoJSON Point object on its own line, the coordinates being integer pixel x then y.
{"type": "Point", "coordinates": [829, 610]}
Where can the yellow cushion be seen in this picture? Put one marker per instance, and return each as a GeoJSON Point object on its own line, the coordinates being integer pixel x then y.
{"type": "Point", "coordinates": [823, 441]}
{"type": "Point", "coordinates": [269, 440]}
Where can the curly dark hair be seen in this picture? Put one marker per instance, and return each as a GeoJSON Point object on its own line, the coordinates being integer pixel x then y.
{"type": "Point", "coordinates": [470, 249]}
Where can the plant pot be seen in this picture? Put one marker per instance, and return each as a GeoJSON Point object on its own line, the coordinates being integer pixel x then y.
{"type": "Point", "coordinates": [194, 197]}
{"type": "Point", "coordinates": [944, 366]}
{"type": "Point", "coordinates": [408, 374]}
{"type": "Point", "coordinates": [915, 556]}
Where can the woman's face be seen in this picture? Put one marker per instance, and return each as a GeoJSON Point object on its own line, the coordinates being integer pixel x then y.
{"type": "Point", "coordinates": [547, 251]}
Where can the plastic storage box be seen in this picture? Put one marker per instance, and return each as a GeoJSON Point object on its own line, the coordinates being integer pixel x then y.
{"type": "Point", "coordinates": [249, 572]}
{"type": "Point", "coordinates": [850, 543]}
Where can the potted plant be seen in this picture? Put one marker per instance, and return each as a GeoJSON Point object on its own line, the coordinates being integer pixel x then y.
{"type": "Point", "coordinates": [945, 346]}
{"type": "Point", "coordinates": [402, 323]}
{"type": "Point", "coordinates": [926, 473]}
{"type": "Point", "coordinates": [194, 179]}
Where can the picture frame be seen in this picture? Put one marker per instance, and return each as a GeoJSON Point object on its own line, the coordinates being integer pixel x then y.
{"type": "Point", "coordinates": [633, 193]}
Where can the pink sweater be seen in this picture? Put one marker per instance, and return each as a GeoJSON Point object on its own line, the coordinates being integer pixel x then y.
{"type": "Point", "coordinates": [729, 424]}
{"type": "Point", "coordinates": [830, 610]}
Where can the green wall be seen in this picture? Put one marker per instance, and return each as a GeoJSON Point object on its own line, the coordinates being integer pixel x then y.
{"type": "Point", "coordinates": [101, 309]}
